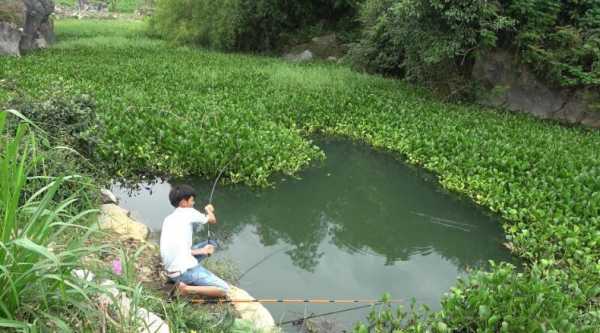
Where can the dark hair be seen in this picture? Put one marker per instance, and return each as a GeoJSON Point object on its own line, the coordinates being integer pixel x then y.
{"type": "Point", "coordinates": [181, 192]}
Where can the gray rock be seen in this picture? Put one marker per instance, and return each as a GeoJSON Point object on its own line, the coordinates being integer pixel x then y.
{"type": "Point", "coordinates": [108, 197]}
{"type": "Point", "coordinates": [37, 24]}
{"type": "Point", "coordinates": [513, 86]}
{"type": "Point", "coordinates": [32, 27]}
{"type": "Point", "coordinates": [326, 40]}
{"type": "Point", "coordinates": [305, 55]}
{"type": "Point", "coordinates": [10, 36]}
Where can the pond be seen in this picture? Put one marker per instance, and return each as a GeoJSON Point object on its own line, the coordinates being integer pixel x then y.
{"type": "Point", "coordinates": [355, 226]}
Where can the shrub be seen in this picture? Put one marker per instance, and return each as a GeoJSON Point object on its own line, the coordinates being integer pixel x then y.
{"type": "Point", "coordinates": [437, 41]}
{"type": "Point", "coordinates": [502, 300]}
{"type": "Point", "coordinates": [243, 24]}
{"type": "Point", "coordinates": [560, 40]}
{"type": "Point", "coordinates": [66, 115]}
{"type": "Point", "coordinates": [427, 41]}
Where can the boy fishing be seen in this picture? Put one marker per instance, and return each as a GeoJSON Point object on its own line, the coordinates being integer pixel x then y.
{"type": "Point", "coordinates": [181, 259]}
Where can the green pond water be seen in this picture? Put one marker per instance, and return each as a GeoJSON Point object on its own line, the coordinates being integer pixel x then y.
{"type": "Point", "coordinates": [358, 225]}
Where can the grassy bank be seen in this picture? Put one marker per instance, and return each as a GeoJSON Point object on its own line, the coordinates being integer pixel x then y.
{"type": "Point", "coordinates": [182, 111]}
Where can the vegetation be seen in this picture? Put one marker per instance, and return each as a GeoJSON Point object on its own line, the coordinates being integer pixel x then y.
{"type": "Point", "coordinates": [245, 25]}
{"type": "Point", "coordinates": [436, 41]}
{"type": "Point", "coordinates": [181, 111]}
{"type": "Point", "coordinates": [49, 231]}
{"type": "Point", "coordinates": [42, 239]}
{"type": "Point", "coordinates": [120, 6]}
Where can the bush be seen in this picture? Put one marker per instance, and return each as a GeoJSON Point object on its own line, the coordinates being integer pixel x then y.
{"type": "Point", "coordinates": [66, 115]}
{"type": "Point", "coordinates": [437, 41]}
{"type": "Point", "coordinates": [427, 41]}
{"type": "Point", "coordinates": [502, 300]}
{"type": "Point", "coordinates": [243, 24]}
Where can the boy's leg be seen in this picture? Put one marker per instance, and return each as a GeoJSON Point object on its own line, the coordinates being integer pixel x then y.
{"type": "Point", "coordinates": [185, 289]}
{"type": "Point", "coordinates": [200, 281]}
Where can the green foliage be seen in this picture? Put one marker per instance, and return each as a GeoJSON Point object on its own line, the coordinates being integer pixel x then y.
{"type": "Point", "coordinates": [41, 241]}
{"type": "Point", "coordinates": [427, 41]}
{"type": "Point", "coordinates": [560, 40]}
{"type": "Point", "coordinates": [66, 115]}
{"type": "Point", "coordinates": [243, 24]}
{"type": "Point", "coordinates": [505, 300]}
{"type": "Point", "coordinates": [179, 111]}
{"type": "Point", "coordinates": [118, 6]}
{"type": "Point", "coordinates": [435, 41]}
{"type": "Point", "coordinates": [502, 300]}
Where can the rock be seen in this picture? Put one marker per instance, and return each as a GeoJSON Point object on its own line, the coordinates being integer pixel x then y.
{"type": "Point", "coordinates": [10, 37]}
{"type": "Point", "coordinates": [108, 197]}
{"type": "Point", "coordinates": [151, 323]}
{"type": "Point", "coordinates": [37, 24]}
{"type": "Point", "coordinates": [513, 86]}
{"type": "Point", "coordinates": [85, 275]}
{"type": "Point", "coordinates": [29, 17]}
{"type": "Point", "coordinates": [305, 55]}
{"type": "Point", "coordinates": [117, 219]}
{"type": "Point", "coordinates": [326, 40]}
{"type": "Point", "coordinates": [321, 47]}
{"type": "Point", "coordinates": [253, 312]}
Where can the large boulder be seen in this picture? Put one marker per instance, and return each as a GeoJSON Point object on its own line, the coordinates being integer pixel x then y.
{"type": "Point", "coordinates": [117, 220]}
{"type": "Point", "coordinates": [25, 25]}
{"type": "Point", "coordinates": [513, 86]}
{"type": "Point", "coordinates": [10, 38]}
{"type": "Point", "coordinates": [253, 312]}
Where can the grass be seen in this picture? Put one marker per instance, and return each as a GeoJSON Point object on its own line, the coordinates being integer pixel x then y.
{"type": "Point", "coordinates": [178, 111]}
{"type": "Point", "coordinates": [48, 232]}
{"type": "Point", "coordinates": [42, 239]}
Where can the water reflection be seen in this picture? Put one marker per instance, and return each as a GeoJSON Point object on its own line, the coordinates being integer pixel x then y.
{"type": "Point", "coordinates": [365, 202]}
{"type": "Point", "coordinates": [358, 225]}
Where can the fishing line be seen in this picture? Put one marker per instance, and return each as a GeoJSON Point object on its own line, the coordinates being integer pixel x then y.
{"type": "Point", "coordinates": [444, 222]}
{"type": "Point", "coordinates": [265, 258]}
{"type": "Point", "coordinates": [303, 319]}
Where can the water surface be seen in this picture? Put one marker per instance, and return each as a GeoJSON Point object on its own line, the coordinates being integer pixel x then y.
{"type": "Point", "coordinates": [355, 226]}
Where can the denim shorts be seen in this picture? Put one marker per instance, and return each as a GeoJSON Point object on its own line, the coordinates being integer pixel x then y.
{"type": "Point", "coordinates": [200, 276]}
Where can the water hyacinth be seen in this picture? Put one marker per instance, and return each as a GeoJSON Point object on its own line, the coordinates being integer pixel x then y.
{"type": "Point", "coordinates": [181, 111]}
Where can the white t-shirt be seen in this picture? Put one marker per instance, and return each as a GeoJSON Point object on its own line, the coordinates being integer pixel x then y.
{"type": "Point", "coordinates": [176, 239]}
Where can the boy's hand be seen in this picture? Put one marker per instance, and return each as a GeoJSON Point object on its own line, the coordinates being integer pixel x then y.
{"type": "Point", "coordinates": [206, 251]}
{"type": "Point", "coordinates": [209, 208]}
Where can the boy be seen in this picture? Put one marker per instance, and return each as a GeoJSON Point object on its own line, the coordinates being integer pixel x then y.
{"type": "Point", "coordinates": [182, 260]}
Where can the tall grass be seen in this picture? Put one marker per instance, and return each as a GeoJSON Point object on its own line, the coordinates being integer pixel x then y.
{"type": "Point", "coordinates": [41, 240]}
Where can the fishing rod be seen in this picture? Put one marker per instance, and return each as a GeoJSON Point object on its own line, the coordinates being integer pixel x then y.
{"type": "Point", "coordinates": [295, 301]}
{"type": "Point", "coordinates": [212, 192]}
{"type": "Point", "coordinates": [299, 321]}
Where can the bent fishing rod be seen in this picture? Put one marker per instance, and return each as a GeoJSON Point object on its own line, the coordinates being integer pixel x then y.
{"type": "Point", "coordinates": [212, 192]}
